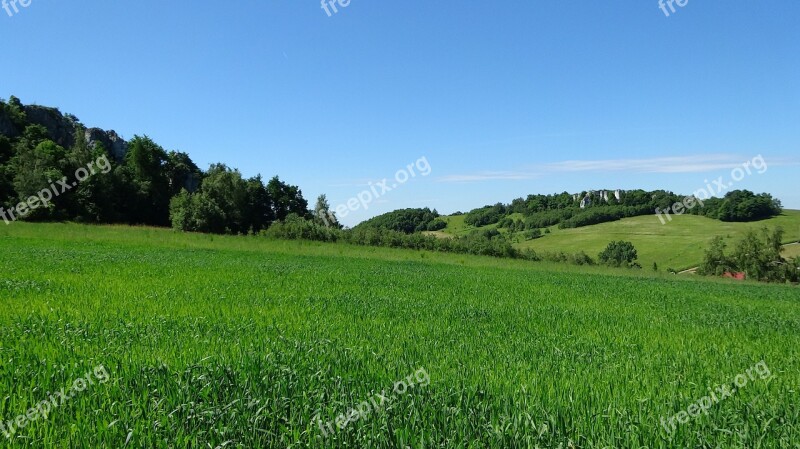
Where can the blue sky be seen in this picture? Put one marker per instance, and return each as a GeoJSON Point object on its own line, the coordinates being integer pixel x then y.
{"type": "Point", "coordinates": [503, 99]}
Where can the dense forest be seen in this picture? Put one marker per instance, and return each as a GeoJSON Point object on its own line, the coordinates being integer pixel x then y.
{"type": "Point", "coordinates": [144, 184]}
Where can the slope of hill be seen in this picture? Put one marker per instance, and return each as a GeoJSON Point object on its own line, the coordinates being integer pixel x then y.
{"type": "Point", "coordinates": [678, 244]}
{"type": "Point", "coordinates": [791, 250]}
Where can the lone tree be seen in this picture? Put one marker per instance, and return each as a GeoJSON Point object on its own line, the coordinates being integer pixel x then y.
{"type": "Point", "coordinates": [619, 254]}
{"type": "Point", "coordinates": [324, 215]}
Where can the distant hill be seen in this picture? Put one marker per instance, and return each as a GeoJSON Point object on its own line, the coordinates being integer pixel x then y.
{"type": "Point", "coordinates": [600, 206]}
{"type": "Point", "coordinates": [678, 244]}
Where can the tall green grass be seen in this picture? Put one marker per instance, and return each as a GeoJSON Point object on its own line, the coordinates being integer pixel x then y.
{"type": "Point", "coordinates": [242, 342]}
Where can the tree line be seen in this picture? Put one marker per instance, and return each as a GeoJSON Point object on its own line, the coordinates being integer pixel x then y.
{"type": "Point", "coordinates": [147, 185]}
{"type": "Point", "coordinates": [590, 208]}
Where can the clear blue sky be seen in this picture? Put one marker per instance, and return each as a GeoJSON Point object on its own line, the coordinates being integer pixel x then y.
{"type": "Point", "coordinates": [502, 98]}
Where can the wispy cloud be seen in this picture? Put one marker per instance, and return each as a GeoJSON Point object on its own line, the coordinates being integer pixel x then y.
{"type": "Point", "coordinates": [676, 164]}
{"type": "Point", "coordinates": [354, 183]}
{"type": "Point", "coordinates": [488, 176]}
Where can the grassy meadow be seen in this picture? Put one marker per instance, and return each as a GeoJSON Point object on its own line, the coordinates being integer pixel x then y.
{"type": "Point", "coordinates": [791, 251]}
{"type": "Point", "coordinates": [678, 244]}
{"type": "Point", "coordinates": [243, 342]}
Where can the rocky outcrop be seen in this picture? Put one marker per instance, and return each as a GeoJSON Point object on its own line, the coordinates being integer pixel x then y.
{"type": "Point", "coordinates": [60, 128]}
{"type": "Point", "coordinates": [114, 145]}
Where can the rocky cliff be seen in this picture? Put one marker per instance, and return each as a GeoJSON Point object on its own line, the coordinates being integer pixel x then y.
{"type": "Point", "coordinates": [62, 129]}
{"type": "Point", "coordinates": [115, 145]}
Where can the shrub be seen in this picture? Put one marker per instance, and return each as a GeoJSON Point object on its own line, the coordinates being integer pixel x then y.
{"type": "Point", "coordinates": [618, 254]}
{"type": "Point", "coordinates": [533, 234]}
{"type": "Point", "coordinates": [715, 262]}
{"type": "Point", "coordinates": [485, 216]}
{"type": "Point", "coordinates": [436, 225]}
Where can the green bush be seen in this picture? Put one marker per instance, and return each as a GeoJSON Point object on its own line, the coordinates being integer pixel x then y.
{"type": "Point", "coordinates": [756, 254]}
{"type": "Point", "coordinates": [619, 254]}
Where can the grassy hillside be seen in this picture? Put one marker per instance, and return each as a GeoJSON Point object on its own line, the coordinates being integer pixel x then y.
{"type": "Point", "coordinates": [241, 342]}
{"type": "Point", "coordinates": [678, 244]}
{"type": "Point", "coordinates": [792, 250]}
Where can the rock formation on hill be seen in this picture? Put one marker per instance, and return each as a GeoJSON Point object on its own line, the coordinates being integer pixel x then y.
{"type": "Point", "coordinates": [62, 129]}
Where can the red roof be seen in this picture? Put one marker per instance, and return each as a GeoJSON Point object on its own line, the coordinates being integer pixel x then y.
{"type": "Point", "coordinates": [738, 276]}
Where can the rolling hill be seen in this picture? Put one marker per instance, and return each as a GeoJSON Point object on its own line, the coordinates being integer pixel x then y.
{"type": "Point", "coordinates": [678, 244]}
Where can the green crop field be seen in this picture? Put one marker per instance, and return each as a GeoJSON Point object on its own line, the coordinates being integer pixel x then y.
{"type": "Point", "coordinates": [678, 244]}
{"type": "Point", "coordinates": [242, 342]}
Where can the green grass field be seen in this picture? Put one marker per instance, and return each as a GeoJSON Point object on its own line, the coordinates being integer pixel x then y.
{"type": "Point", "coordinates": [242, 342]}
{"type": "Point", "coordinates": [678, 244]}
